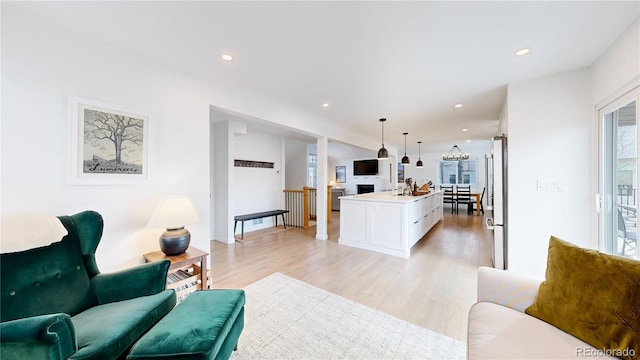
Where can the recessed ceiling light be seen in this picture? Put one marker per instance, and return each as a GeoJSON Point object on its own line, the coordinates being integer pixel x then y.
{"type": "Point", "coordinates": [227, 57]}
{"type": "Point", "coordinates": [465, 130]}
{"type": "Point", "coordinates": [457, 106]}
{"type": "Point", "coordinates": [468, 140]}
{"type": "Point", "coordinates": [325, 104]}
{"type": "Point", "coordinates": [522, 51]}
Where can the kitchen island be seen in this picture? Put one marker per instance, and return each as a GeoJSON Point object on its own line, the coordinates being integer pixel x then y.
{"type": "Point", "coordinates": [386, 222]}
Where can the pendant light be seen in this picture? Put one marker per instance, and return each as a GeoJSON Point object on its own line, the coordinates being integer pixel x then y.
{"type": "Point", "coordinates": [405, 158]}
{"type": "Point", "coordinates": [419, 163]}
{"type": "Point", "coordinates": [383, 154]}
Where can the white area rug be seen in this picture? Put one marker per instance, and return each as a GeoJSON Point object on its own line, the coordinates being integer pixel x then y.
{"type": "Point", "coordinates": [289, 319]}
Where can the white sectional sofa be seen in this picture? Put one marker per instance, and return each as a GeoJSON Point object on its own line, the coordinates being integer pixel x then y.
{"type": "Point", "coordinates": [500, 329]}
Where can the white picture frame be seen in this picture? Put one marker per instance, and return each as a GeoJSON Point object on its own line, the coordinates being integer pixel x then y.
{"type": "Point", "coordinates": [109, 144]}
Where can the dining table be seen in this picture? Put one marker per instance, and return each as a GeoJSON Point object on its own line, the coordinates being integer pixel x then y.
{"type": "Point", "coordinates": [477, 198]}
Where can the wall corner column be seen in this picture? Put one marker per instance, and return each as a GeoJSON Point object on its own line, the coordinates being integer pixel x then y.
{"type": "Point", "coordinates": [322, 183]}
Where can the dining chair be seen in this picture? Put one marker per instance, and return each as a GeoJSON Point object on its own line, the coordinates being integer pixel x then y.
{"type": "Point", "coordinates": [629, 238]}
{"type": "Point", "coordinates": [448, 197]}
{"type": "Point", "coordinates": [463, 196]}
{"type": "Point", "coordinates": [473, 207]}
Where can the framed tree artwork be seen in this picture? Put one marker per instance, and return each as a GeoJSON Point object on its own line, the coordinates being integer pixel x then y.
{"type": "Point", "coordinates": [109, 144]}
{"type": "Point", "coordinates": [341, 174]}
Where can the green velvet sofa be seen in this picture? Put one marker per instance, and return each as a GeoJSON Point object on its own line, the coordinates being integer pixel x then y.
{"type": "Point", "coordinates": [55, 303]}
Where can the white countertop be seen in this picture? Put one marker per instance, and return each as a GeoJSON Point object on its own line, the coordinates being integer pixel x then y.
{"type": "Point", "coordinates": [387, 196]}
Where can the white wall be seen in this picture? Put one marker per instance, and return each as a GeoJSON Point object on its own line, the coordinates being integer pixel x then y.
{"type": "Point", "coordinates": [220, 182]}
{"type": "Point", "coordinates": [296, 164]}
{"type": "Point", "coordinates": [343, 155]}
{"type": "Point", "coordinates": [428, 172]}
{"type": "Point", "coordinates": [617, 66]}
{"type": "Point", "coordinates": [44, 63]}
{"type": "Point", "coordinates": [503, 121]}
{"type": "Point", "coordinates": [380, 182]}
{"type": "Point", "coordinates": [431, 161]}
{"type": "Point", "coordinates": [613, 74]}
{"type": "Point", "coordinates": [42, 66]}
{"type": "Point", "coordinates": [223, 136]}
{"type": "Point", "coordinates": [549, 140]}
{"type": "Point", "coordinates": [553, 136]}
{"type": "Point", "coordinates": [257, 189]}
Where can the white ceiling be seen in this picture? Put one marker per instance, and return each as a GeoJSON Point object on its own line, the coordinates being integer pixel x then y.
{"type": "Point", "coordinates": [407, 61]}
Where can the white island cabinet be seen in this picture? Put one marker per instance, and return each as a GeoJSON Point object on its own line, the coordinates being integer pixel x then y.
{"type": "Point", "coordinates": [386, 222]}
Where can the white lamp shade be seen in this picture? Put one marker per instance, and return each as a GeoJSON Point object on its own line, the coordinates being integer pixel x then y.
{"type": "Point", "coordinates": [174, 212]}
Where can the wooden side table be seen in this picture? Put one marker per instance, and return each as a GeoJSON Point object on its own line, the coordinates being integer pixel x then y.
{"type": "Point", "coordinates": [192, 262]}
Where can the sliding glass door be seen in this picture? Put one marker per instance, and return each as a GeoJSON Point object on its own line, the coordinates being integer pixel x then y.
{"type": "Point", "coordinates": [619, 176]}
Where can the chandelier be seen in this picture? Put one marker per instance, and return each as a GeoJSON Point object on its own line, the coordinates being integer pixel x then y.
{"type": "Point", "coordinates": [455, 154]}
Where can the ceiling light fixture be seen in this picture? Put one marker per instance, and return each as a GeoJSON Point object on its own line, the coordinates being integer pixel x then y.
{"type": "Point", "coordinates": [523, 51]}
{"type": "Point", "coordinates": [419, 163]}
{"type": "Point", "coordinates": [465, 130]}
{"type": "Point", "coordinates": [405, 158]}
{"type": "Point", "coordinates": [455, 154]}
{"type": "Point", "coordinates": [457, 106]}
{"type": "Point", "coordinates": [468, 140]}
{"type": "Point", "coordinates": [325, 105]}
{"type": "Point", "coordinates": [227, 57]}
{"type": "Point", "coordinates": [383, 154]}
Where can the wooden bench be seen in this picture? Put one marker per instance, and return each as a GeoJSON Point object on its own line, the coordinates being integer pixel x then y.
{"type": "Point", "coordinates": [258, 215]}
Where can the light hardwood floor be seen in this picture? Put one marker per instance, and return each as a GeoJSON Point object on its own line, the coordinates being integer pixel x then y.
{"type": "Point", "coordinates": [434, 288]}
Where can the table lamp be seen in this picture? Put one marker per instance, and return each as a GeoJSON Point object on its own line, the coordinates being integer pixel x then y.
{"type": "Point", "coordinates": [173, 213]}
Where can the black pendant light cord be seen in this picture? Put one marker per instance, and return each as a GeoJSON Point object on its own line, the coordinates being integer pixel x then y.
{"type": "Point", "coordinates": [383, 153]}
{"type": "Point", "coordinates": [405, 143]}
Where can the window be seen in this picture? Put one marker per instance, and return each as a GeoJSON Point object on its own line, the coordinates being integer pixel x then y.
{"type": "Point", "coordinates": [312, 172]}
{"type": "Point", "coordinates": [463, 172]}
{"type": "Point", "coordinates": [619, 177]}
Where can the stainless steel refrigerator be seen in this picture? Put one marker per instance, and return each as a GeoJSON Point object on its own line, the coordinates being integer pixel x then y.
{"type": "Point", "coordinates": [497, 175]}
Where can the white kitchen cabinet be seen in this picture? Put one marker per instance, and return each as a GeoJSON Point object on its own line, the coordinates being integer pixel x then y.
{"type": "Point", "coordinates": [388, 223]}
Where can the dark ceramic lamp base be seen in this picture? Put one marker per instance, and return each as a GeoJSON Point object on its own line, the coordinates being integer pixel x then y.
{"type": "Point", "coordinates": [175, 241]}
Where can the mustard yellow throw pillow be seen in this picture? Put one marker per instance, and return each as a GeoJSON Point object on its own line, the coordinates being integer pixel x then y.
{"type": "Point", "coordinates": [592, 296]}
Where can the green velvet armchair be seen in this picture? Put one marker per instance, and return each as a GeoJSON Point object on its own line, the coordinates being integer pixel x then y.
{"type": "Point", "coordinates": [55, 303]}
